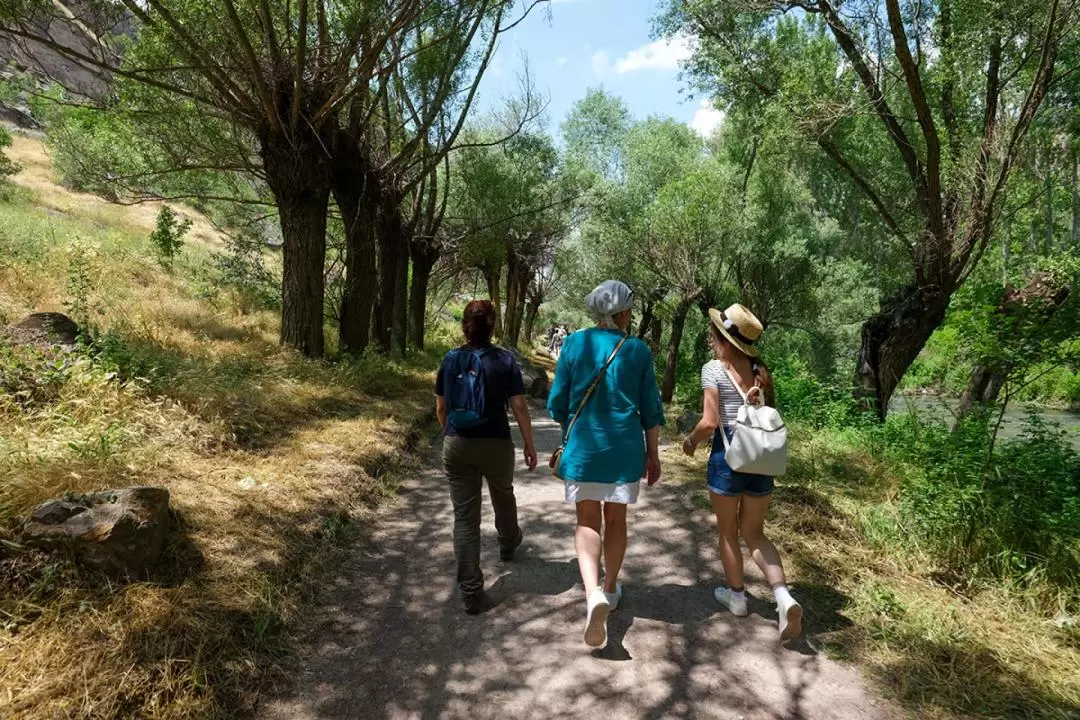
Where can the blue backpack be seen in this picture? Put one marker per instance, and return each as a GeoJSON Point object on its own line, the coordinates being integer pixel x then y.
{"type": "Point", "coordinates": [465, 395]}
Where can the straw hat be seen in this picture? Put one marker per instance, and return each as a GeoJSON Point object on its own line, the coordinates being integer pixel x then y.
{"type": "Point", "coordinates": [739, 326]}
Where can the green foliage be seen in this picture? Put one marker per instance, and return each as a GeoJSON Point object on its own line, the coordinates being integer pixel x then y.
{"type": "Point", "coordinates": [168, 235]}
{"type": "Point", "coordinates": [80, 303]}
{"type": "Point", "coordinates": [241, 274]}
{"type": "Point", "coordinates": [7, 167]}
{"type": "Point", "coordinates": [803, 397]}
{"type": "Point", "coordinates": [1009, 511]}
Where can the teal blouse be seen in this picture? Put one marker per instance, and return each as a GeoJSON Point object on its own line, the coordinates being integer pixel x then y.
{"type": "Point", "coordinates": [607, 444]}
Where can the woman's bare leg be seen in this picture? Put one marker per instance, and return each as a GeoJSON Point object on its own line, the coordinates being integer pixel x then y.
{"type": "Point", "coordinates": [752, 526]}
{"type": "Point", "coordinates": [587, 543]}
{"type": "Point", "coordinates": [614, 543]}
{"type": "Point", "coordinates": [726, 508]}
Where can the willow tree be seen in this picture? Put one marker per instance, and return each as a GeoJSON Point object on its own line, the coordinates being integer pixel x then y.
{"type": "Point", "coordinates": [923, 105]}
{"type": "Point", "coordinates": [391, 166]}
{"type": "Point", "coordinates": [277, 74]}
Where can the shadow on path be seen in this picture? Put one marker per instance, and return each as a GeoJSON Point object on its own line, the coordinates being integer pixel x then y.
{"type": "Point", "coordinates": [392, 641]}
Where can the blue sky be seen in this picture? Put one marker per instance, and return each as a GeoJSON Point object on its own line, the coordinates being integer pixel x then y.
{"type": "Point", "coordinates": [572, 45]}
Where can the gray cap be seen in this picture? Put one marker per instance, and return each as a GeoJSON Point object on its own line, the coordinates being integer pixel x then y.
{"type": "Point", "coordinates": [608, 299]}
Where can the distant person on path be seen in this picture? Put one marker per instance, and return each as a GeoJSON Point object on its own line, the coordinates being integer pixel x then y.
{"type": "Point", "coordinates": [606, 398]}
{"type": "Point", "coordinates": [740, 500]}
{"type": "Point", "coordinates": [475, 384]}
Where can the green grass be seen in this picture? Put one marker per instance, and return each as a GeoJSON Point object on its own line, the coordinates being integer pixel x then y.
{"type": "Point", "coordinates": [941, 647]}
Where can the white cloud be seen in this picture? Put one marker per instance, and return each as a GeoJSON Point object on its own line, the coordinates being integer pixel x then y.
{"type": "Point", "coordinates": [706, 119]}
{"type": "Point", "coordinates": [601, 63]}
{"type": "Point", "coordinates": [561, 60]}
{"type": "Point", "coordinates": [663, 54]}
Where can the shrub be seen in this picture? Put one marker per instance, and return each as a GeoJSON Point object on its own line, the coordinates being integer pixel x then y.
{"type": "Point", "coordinates": [7, 167]}
{"type": "Point", "coordinates": [168, 237]}
{"type": "Point", "coordinates": [1011, 512]}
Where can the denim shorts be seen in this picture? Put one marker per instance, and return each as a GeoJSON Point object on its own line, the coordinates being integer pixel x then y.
{"type": "Point", "coordinates": [722, 480]}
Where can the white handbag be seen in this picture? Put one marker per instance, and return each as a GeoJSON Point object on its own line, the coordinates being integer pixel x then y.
{"type": "Point", "coordinates": [759, 439]}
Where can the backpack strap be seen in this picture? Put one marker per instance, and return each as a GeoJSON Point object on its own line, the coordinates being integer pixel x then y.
{"type": "Point", "coordinates": [745, 399]}
{"type": "Point", "coordinates": [592, 387]}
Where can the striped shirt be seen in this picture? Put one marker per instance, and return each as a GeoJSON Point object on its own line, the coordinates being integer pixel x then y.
{"type": "Point", "coordinates": [713, 376]}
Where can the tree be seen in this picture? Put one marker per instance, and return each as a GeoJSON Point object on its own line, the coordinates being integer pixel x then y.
{"type": "Point", "coordinates": [509, 214]}
{"type": "Point", "coordinates": [292, 86]}
{"type": "Point", "coordinates": [931, 152]}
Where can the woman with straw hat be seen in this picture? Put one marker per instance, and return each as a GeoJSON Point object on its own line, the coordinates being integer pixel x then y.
{"type": "Point", "coordinates": [740, 500]}
{"type": "Point", "coordinates": [605, 397]}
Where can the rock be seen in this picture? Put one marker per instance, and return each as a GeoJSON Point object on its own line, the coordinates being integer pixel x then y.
{"type": "Point", "coordinates": [120, 532]}
{"type": "Point", "coordinates": [686, 422]}
{"type": "Point", "coordinates": [47, 329]}
{"type": "Point", "coordinates": [536, 378]}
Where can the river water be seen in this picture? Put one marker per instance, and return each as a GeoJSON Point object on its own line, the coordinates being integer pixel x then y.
{"type": "Point", "coordinates": [1011, 426]}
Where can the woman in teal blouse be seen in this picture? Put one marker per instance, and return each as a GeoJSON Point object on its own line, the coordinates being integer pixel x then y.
{"type": "Point", "coordinates": [612, 445]}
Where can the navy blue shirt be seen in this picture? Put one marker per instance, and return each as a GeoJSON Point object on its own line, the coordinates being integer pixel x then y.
{"type": "Point", "coordinates": [502, 381]}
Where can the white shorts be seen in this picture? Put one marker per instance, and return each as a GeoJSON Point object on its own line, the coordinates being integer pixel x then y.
{"type": "Point", "coordinates": [603, 492]}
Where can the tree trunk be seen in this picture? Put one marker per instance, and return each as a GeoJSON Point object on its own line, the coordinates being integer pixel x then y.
{"type": "Point", "coordinates": [399, 319]}
{"type": "Point", "coordinates": [1075, 230]}
{"type": "Point", "coordinates": [1037, 301]}
{"type": "Point", "coordinates": [893, 338]}
{"type": "Point", "coordinates": [656, 335]}
{"type": "Point", "coordinates": [393, 252]}
{"type": "Point", "coordinates": [983, 386]}
{"type": "Point", "coordinates": [423, 261]}
{"type": "Point", "coordinates": [356, 193]}
{"type": "Point", "coordinates": [299, 177]}
{"type": "Point", "coordinates": [1049, 182]}
{"type": "Point", "coordinates": [492, 278]}
{"type": "Point", "coordinates": [531, 314]}
{"type": "Point", "coordinates": [646, 319]}
{"type": "Point", "coordinates": [513, 290]}
{"type": "Point", "coordinates": [667, 387]}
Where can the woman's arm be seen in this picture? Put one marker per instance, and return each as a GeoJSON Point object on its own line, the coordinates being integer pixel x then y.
{"type": "Point", "coordinates": [440, 410]}
{"type": "Point", "coordinates": [521, 413]}
{"type": "Point", "coordinates": [652, 455]}
{"type": "Point", "coordinates": [710, 419]}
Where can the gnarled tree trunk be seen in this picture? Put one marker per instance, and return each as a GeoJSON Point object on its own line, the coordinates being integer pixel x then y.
{"type": "Point", "coordinates": [424, 256]}
{"type": "Point", "coordinates": [893, 338]}
{"type": "Point", "coordinates": [356, 193]}
{"type": "Point", "coordinates": [529, 331]}
{"type": "Point", "coordinates": [298, 172]}
{"type": "Point", "coordinates": [678, 322]}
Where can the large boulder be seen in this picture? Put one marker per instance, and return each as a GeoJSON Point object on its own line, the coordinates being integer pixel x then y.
{"type": "Point", "coordinates": [536, 379]}
{"type": "Point", "coordinates": [120, 532]}
{"type": "Point", "coordinates": [45, 329]}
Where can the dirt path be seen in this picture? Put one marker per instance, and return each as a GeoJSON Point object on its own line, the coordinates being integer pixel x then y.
{"type": "Point", "coordinates": [392, 641]}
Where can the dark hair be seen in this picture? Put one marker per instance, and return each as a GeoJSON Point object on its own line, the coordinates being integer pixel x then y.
{"type": "Point", "coordinates": [762, 377]}
{"type": "Point", "coordinates": [478, 322]}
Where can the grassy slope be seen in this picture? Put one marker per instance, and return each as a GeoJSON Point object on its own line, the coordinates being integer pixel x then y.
{"type": "Point", "coordinates": [941, 652]}
{"type": "Point", "coordinates": [271, 461]}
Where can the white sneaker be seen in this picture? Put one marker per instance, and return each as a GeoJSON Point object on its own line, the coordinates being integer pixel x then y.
{"type": "Point", "coordinates": [724, 596]}
{"type": "Point", "coordinates": [614, 598]}
{"type": "Point", "coordinates": [596, 619]}
{"type": "Point", "coordinates": [790, 613]}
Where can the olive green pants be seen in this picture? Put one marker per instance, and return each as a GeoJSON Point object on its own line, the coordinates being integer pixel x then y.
{"type": "Point", "coordinates": [466, 462]}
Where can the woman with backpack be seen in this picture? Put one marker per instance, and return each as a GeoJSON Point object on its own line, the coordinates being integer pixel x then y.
{"type": "Point", "coordinates": [736, 375]}
{"type": "Point", "coordinates": [606, 399]}
{"type": "Point", "coordinates": [475, 384]}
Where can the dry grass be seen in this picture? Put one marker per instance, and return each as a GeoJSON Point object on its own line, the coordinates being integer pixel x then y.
{"type": "Point", "coordinates": [869, 598]}
{"type": "Point", "coordinates": [272, 461]}
{"type": "Point", "coordinates": [57, 201]}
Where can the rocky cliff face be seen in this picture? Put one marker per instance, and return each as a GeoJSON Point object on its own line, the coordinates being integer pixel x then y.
{"type": "Point", "coordinates": [75, 27]}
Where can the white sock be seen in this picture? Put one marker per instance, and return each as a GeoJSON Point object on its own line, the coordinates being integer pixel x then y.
{"type": "Point", "coordinates": [783, 597]}
{"type": "Point", "coordinates": [741, 595]}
